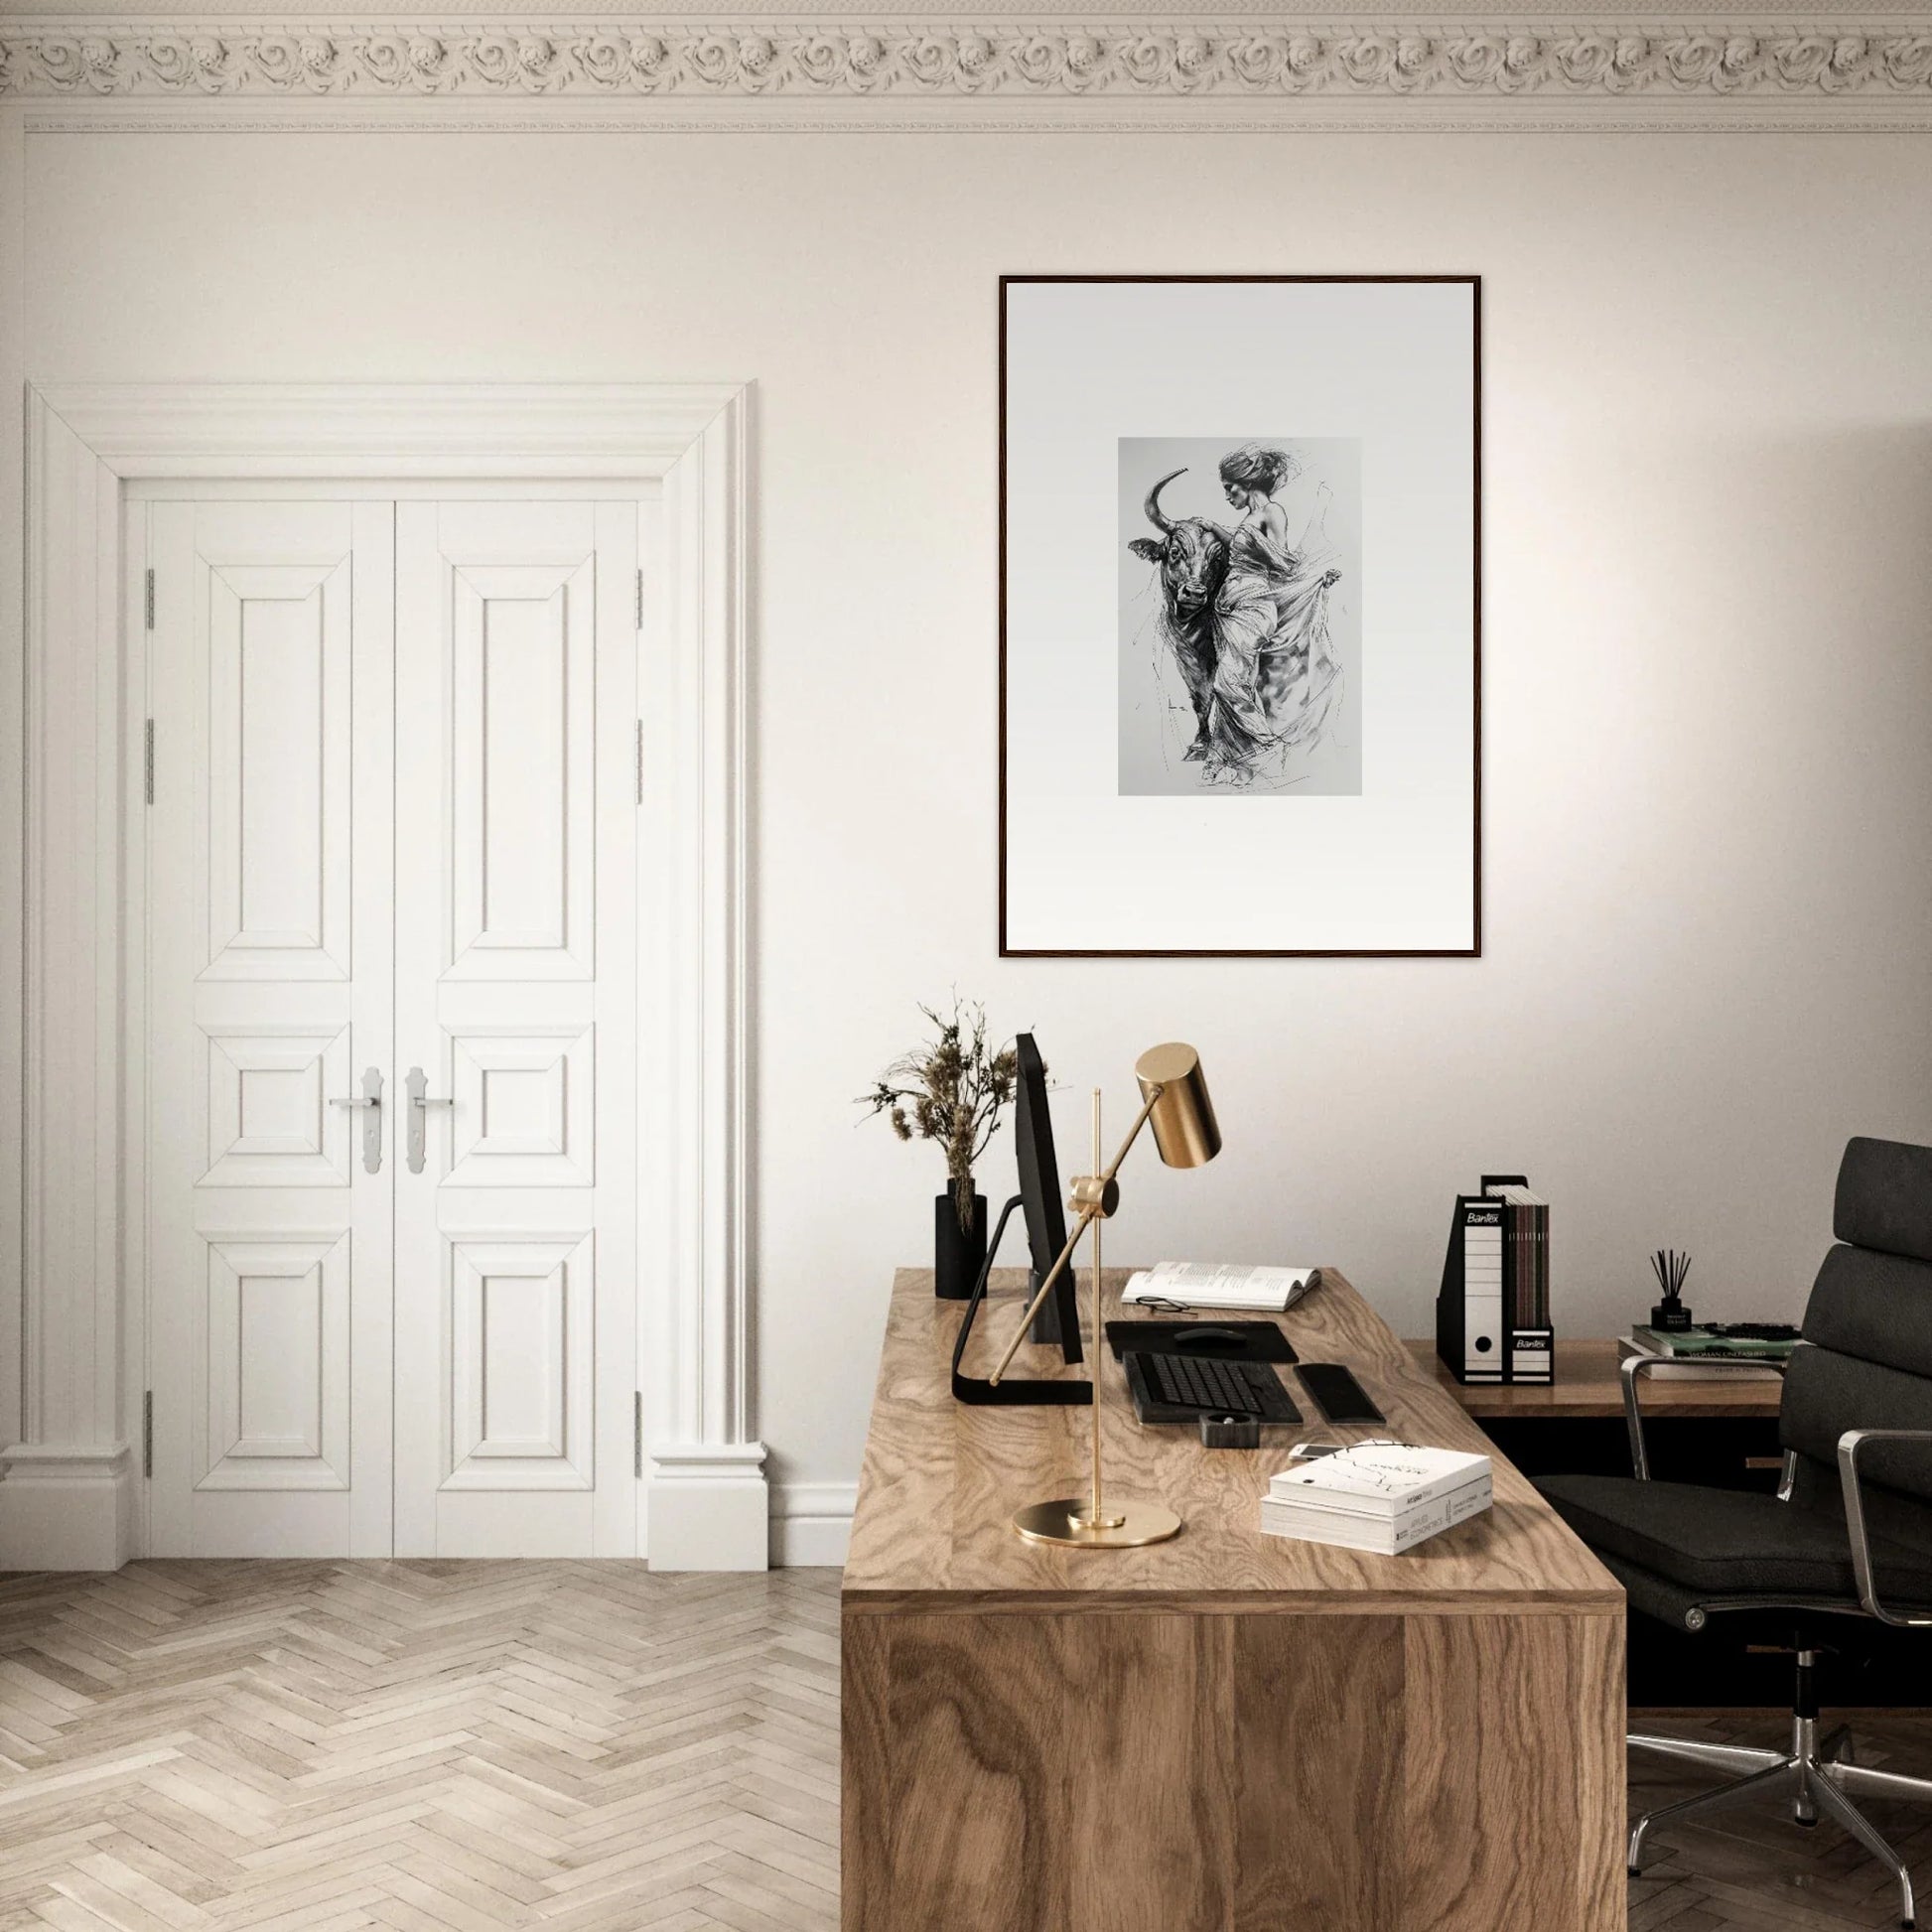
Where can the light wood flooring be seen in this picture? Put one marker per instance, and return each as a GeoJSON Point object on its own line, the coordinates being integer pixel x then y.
{"type": "Point", "coordinates": [433, 1747]}
{"type": "Point", "coordinates": [459, 1747]}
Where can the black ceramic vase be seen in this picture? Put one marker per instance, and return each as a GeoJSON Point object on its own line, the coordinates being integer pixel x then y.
{"type": "Point", "coordinates": [958, 1253]}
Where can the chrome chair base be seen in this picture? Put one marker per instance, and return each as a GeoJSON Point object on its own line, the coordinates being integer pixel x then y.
{"type": "Point", "coordinates": [1817, 1774]}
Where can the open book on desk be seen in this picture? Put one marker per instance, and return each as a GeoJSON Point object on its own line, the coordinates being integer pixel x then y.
{"type": "Point", "coordinates": [1210, 1284]}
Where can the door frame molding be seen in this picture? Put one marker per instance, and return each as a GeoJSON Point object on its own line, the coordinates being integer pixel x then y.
{"type": "Point", "coordinates": [72, 1462]}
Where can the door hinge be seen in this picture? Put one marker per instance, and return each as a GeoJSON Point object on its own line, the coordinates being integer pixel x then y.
{"type": "Point", "coordinates": [147, 1433]}
{"type": "Point", "coordinates": [637, 1434]}
{"type": "Point", "coordinates": [640, 760]}
{"type": "Point", "coordinates": [147, 762]}
{"type": "Point", "coordinates": [640, 598]}
{"type": "Point", "coordinates": [150, 600]}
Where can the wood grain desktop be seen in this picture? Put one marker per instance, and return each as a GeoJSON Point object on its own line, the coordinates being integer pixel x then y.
{"type": "Point", "coordinates": [1228, 1733]}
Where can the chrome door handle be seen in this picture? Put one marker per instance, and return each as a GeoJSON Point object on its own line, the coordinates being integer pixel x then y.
{"type": "Point", "coordinates": [420, 1102]}
{"type": "Point", "coordinates": [371, 1098]}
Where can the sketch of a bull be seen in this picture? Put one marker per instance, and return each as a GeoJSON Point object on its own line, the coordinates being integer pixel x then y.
{"type": "Point", "coordinates": [1193, 558]}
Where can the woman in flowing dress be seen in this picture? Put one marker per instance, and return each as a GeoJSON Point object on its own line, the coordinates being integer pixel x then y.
{"type": "Point", "coordinates": [1277, 684]}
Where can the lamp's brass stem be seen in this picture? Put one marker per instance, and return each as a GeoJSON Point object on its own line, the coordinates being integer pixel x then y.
{"type": "Point", "coordinates": [1093, 1516]}
{"type": "Point", "coordinates": [1096, 1517]}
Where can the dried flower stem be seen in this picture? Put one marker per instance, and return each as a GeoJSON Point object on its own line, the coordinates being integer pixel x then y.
{"type": "Point", "coordinates": [952, 1091]}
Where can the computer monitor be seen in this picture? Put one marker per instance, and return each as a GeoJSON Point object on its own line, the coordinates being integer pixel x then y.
{"type": "Point", "coordinates": [1038, 1201]}
{"type": "Point", "coordinates": [1039, 1195]}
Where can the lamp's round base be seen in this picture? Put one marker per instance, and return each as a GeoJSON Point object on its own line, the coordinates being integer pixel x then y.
{"type": "Point", "coordinates": [1063, 1521]}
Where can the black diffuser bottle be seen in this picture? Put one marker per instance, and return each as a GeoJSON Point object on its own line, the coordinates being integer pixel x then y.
{"type": "Point", "coordinates": [1670, 1317]}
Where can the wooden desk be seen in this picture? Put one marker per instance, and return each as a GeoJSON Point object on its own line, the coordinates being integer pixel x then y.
{"type": "Point", "coordinates": [1587, 1386]}
{"type": "Point", "coordinates": [1227, 1732]}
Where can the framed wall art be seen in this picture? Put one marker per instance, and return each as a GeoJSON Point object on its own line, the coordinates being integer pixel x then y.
{"type": "Point", "coordinates": [1240, 614]}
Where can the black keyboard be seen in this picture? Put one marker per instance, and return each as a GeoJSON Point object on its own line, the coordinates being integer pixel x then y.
{"type": "Point", "coordinates": [1208, 1388]}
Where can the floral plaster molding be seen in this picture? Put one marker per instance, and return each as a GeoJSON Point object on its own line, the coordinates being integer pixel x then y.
{"type": "Point", "coordinates": [1878, 74]}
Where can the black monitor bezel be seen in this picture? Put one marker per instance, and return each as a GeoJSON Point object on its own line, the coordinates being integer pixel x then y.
{"type": "Point", "coordinates": [1059, 1320]}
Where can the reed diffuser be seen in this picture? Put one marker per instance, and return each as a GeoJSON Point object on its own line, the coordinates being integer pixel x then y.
{"type": "Point", "coordinates": [1670, 1315]}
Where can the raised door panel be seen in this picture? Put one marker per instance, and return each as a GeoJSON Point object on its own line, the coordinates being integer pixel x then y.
{"type": "Point", "coordinates": [521, 773]}
{"type": "Point", "coordinates": [279, 776]}
{"type": "Point", "coordinates": [271, 1121]}
{"type": "Point", "coordinates": [516, 1238]}
{"type": "Point", "coordinates": [274, 1407]}
{"type": "Point", "coordinates": [270, 901]}
{"type": "Point", "coordinates": [524, 1107]}
{"type": "Point", "coordinates": [520, 1362]}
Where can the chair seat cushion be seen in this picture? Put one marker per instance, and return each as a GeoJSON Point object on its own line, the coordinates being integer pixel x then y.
{"type": "Point", "coordinates": [1729, 1542]}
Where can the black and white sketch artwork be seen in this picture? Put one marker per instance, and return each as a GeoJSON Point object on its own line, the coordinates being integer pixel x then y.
{"type": "Point", "coordinates": [1240, 616]}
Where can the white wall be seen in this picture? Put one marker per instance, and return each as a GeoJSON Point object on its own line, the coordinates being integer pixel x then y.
{"type": "Point", "coordinates": [1708, 667]}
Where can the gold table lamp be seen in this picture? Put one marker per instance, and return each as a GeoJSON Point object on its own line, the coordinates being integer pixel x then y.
{"type": "Point", "coordinates": [1175, 1103]}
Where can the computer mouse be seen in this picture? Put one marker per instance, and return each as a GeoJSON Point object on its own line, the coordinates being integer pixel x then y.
{"type": "Point", "coordinates": [1208, 1338]}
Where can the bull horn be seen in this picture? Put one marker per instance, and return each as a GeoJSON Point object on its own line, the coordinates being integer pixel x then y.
{"type": "Point", "coordinates": [1164, 524]}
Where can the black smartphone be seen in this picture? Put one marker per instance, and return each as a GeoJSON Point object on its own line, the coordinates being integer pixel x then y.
{"type": "Point", "coordinates": [1337, 1393]}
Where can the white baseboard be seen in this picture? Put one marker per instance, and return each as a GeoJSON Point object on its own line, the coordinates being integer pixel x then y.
{"type": "Point", "coordinates": [67, 1507]}
{"type": "Point", "coordinates": [811, 1524]}
{"type": "Point", "coordinates": [709, 1507]}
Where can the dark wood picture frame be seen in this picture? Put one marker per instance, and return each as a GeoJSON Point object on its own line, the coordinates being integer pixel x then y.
{"type": "Point", "coordinates": [1475, 949]}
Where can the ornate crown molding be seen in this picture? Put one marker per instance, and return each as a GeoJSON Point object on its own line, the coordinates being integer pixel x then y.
{"type": "Point", "coordinates": [1806, 67]}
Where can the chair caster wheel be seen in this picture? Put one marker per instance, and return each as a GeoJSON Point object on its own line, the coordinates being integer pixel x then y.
{"type": "Point", "coordinates": [1633, 1871]}
{"type": "Point", "coordinates": [1810, 1824]}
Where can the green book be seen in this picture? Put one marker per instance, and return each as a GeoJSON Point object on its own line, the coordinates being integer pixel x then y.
{"type": "Point", "coordinates": [1700, 1342]}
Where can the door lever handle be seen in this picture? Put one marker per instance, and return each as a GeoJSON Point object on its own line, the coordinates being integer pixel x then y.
{"type": "Point", "coordinates": [420, 1102]}
{"type": "Point", "coordinates": [371, 1098]}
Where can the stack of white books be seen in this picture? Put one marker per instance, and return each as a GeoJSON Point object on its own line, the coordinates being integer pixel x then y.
{"type": "Point", "coordinates": [1212, 1285]}
{"type": "Point", "coordinates": [1379, 1496]}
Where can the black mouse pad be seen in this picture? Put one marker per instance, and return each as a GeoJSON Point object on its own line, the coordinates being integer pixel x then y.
{"type": "Point", "coordinates": [1225, 1342]}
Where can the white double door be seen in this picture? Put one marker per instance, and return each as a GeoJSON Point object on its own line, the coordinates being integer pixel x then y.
{"type": "Point", "coordinates": [390, 857]}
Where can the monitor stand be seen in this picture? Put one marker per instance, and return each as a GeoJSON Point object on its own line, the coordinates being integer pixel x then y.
{"type": "Point", "coordinates": [1011, 1391]}
{"type": "Point", "coordinates": [1046, 1323]}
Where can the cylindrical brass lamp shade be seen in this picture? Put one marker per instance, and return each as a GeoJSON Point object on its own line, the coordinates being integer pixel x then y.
{"type": "Point", "coordinates": [1184, 1128]}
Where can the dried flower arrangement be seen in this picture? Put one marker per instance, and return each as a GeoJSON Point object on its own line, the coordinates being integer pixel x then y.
{"type": "Point", "coordinates": [951, 1090]}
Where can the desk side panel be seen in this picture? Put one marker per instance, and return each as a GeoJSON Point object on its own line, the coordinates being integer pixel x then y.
{"type": "Point", "coordinates": [1513, 1774]}
{"type": "Point", "coordinates": [1040, 1774]}
{"type": "Point", "coordinates": [1151, 1764]}
{"type": "Point", "coordinates": [865, 1773]}
{"type": "Point", "coordinates": [1152, 1772]}
{"type": "Point", "coordinates": [1319, 1733]}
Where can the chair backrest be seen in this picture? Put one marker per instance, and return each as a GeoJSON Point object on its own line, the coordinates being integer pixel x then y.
{"type": "Point", "coordinates": [1868, 1326]}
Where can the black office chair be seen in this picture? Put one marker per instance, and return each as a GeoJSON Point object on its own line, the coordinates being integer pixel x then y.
{"type": "Point", "coordinates": [1849, 1536]}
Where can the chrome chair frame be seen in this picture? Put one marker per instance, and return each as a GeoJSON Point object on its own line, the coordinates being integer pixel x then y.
{"type": "Point", "coordinates": [1817, 1774]}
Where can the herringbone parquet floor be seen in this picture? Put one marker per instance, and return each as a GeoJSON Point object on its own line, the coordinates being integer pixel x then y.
{"type": "Point", "coordinates": [461, 1748]}
{"type": "Point", "coordinates": [431, 1746]}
